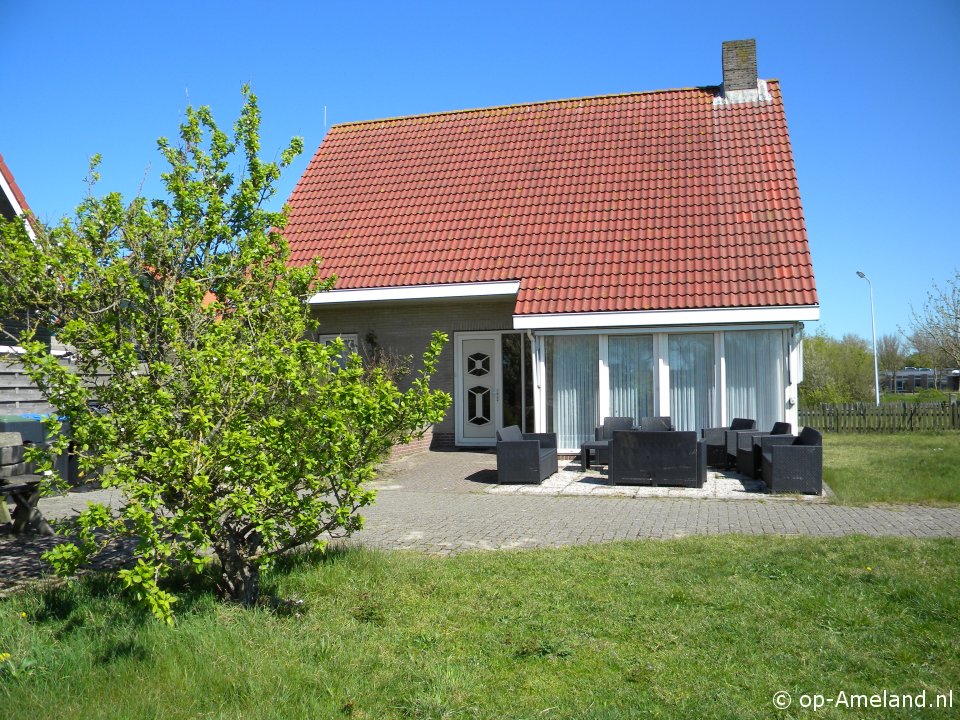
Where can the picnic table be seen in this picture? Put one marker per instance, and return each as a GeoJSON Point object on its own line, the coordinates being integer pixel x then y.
{"type": "Point", "coordinates": [20, 485]}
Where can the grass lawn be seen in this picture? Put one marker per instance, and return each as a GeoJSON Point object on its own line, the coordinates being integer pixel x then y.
{"type": "Point", "coordinates": [894, 468]}
{"type": "Point", "coordinates": [691, 628]}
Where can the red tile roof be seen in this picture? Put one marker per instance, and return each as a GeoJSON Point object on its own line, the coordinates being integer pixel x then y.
{"type": "Point", "coordinates": [647, 201]}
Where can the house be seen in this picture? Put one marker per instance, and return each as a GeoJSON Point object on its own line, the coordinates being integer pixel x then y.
{"type": "Point", "coordinates": [13, 205]}
{"type": "Point", "coordinates": [638, 254]}
{"type": "Point", "coordinates": [913, 379]}
{"type": "Point", "coordinates": [12, 202]}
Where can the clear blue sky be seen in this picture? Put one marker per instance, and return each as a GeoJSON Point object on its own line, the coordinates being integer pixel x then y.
{"type": "Point", "coordinates": [872, 94]}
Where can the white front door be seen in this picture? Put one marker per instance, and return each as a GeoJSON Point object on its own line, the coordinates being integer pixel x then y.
{"type": "Point", "coordinates": [478, 388]}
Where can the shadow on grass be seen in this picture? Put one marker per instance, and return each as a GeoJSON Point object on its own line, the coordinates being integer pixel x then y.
{"type": "Point", "coordinates": [98, 598]}
{"type": "Point", "coordinates": [303, 559]}
{"type": "Point", "coordinates": [102, 592]}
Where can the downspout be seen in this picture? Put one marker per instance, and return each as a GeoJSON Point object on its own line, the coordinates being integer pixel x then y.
{"type": "Point", "coordinates": [537, 392]}
{"type": "Point", "coordinates": [793, 402]}
{"type": "Point", "coordinates": [536, 357]}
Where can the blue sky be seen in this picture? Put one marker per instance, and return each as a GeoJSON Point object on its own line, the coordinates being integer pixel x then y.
{"type": "Point", "coordinates": [872, 94]}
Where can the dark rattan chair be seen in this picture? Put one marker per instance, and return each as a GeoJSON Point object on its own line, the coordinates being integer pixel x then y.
{"type": "Point", "coordinates": [643, 457]}
{"type": "Point", "coordinates": [600, 446]}
{"type": "Point", "coordinates": [660, 423]}
{"type": "Point", "coordinates": [716, 438]}
{"type": "Point", "coordinates": [748, 448]}
{"type": "Point", "coordinates": [793, 464]}
{"type": "Point", "coordinates": [525, 457]}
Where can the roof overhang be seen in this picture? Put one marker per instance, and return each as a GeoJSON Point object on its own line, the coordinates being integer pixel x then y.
{"type": "Point", "coordinates": [508, 288]}
{"type": "Point", "coordinates": [14, 197]}
{"type": "Point", "coordinates": [655, 318]}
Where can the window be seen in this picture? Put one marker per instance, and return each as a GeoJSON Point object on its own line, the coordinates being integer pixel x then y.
{"type": "Point", "coordinates": [573, 369]}
{"type": "Point", "coordinates": [517, 381]}
{"type": "Point", "coordinates": [350, 342]}
{"type": "Point", "coordinates": [576, 388]}
{"type": "Point", "coordinates": [632, 375]}
{"type": "Point", "coordinates": [755, 368]}
{"type": "Point", "coordinates": [693, 373]}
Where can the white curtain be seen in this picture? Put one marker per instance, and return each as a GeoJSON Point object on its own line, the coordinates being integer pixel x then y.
{"type": "Point", "coordinates": [573, 363]}
{"type": "Point", "coordinates": [755, 375]}
{"type": "Point", "coordinates": [692, 381]}
{"type": "Point", "coordinates": [630, 359]}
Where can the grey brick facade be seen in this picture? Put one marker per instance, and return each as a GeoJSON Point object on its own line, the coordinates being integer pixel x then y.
{"type": "Point", "coordinates": [405, 328]}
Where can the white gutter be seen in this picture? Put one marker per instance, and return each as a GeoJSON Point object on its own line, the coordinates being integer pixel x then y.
{"type": "Point", "coordinates": [657, 318]}
{"type": "Point", "coordinates": [418, 292]}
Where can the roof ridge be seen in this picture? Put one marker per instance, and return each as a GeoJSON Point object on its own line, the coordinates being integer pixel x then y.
{"type": "Point", "coordinates": [535, 103]}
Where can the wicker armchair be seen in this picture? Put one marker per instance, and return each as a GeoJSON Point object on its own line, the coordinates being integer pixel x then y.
{"type": "Point", "coordinates": [603, 435]}
{"type": "Point", "coordinates": [525, 457]}
{"type": "Point", "coordinates": [717, 455]}
{"type": "Point", "coordinates": [748, 448]}
{"type": "Point", "coordinates": [643, 457]}
{"type": "Point", "coordinates": [660, 423]}
{"type": "Point", "coordinates": [793, 464]}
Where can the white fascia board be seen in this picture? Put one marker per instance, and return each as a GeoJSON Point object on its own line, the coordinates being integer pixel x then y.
{"type": "Point", "coordinates": [661, 318]}
{"type": "Point", "coordinates": [418, 292]}
{"type": "Point", "coordinates": [17, 209]}
{"type": "Point", "coordinates": [11, 197]}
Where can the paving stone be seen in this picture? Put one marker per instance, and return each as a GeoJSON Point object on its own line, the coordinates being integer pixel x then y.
{"type": "Point", "coordinates": [425, 502]}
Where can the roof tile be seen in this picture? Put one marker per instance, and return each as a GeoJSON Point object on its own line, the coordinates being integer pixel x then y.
{"type": "Point", "coordinates": [630, 202]}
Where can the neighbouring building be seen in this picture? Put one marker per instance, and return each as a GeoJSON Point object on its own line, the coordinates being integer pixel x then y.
{"type": "Point", "coordinates": [637, 254]}
{"type": "Point", "coordinates": [13, 205]}
{"type": "Point", "coordinates": [913, 379]}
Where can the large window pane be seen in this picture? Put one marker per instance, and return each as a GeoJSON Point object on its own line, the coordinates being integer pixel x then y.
{"type": "Point", "coordinates": [517, 373]}
{"type": "Point", "coordinates": [692, 381]}
{"type": "Point", "coordinates": [755, 375]}
{"type": "Point", "coordinates": [632, 373]}
{"type": "Point", "coordinates": [572, 379]}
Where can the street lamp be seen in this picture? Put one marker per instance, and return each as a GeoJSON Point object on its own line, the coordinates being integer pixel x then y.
{"type": "Point", "coordinates": [873, 326]}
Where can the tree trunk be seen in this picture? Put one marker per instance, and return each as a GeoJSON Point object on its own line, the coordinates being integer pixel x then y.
{"type": "Point", "coordinates": [239, 578]}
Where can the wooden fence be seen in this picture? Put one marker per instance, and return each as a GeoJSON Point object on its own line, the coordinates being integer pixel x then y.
{"type": "Point", "coordinates": [888, 417]}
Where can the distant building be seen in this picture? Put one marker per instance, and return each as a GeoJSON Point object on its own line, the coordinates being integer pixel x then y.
{"type": "Point", "coordinates": [913, 379]}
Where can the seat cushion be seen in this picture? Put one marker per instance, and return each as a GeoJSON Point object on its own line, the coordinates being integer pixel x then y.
{"type": "Point", "coordinates": [510, 433]}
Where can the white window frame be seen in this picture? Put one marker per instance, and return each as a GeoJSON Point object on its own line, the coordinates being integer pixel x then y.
{"type": "Point", "coordinates": [661, 390]}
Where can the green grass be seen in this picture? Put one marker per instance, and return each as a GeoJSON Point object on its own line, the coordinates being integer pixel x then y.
{"type": "Point", "coordinates": [893, 468]}
{"type": "Point", "coordinates": [921, 396]}
{"type": "Point", "coordinates": [699, 627]}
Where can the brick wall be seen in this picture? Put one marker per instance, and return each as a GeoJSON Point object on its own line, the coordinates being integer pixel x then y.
{"type": "Point", "coordinates": [413, 447]}
{"type": "Point", "coordinates": [739, 65]}
{"type": "Point", "coordinates": [404, 328]}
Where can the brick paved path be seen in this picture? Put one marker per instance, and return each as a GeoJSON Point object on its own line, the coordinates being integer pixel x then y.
{"type": "Point", "coordinates": [439, 502]}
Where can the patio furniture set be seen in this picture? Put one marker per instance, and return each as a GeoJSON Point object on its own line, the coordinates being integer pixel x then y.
{"type": "Point", "coordinates": [652, 452]}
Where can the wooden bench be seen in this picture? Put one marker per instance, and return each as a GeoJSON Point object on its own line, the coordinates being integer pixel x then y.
{"type": "Point", "coordinates": [19, 484]}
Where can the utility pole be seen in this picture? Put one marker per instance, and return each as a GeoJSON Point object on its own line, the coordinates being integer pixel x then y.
{"type": "Point", "coordinates": [873, 326]}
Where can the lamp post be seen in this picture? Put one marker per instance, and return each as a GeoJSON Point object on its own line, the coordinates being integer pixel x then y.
{"type": "Point", "coordinates": [873, 326]}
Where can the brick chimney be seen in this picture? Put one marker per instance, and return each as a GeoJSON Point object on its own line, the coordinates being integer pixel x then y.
{"type": "Point", "coordinates": [740, 81]}
{"type": "Point", "coordinates": [739, 65]}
